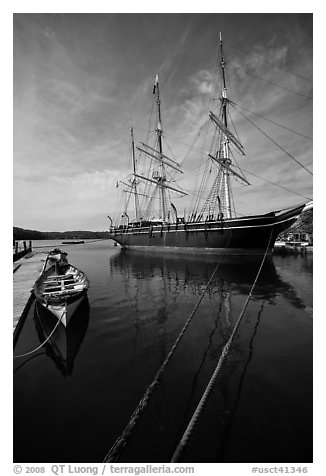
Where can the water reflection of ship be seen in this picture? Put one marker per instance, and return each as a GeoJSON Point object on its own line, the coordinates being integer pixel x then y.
{"type": "Point", "coordinates": [155, 279]}
{"type": "Point", "coordinates": [140, 295]}
{"type": "Point", "coordinates": [64, 344]}
{"type": "Point", "coordinates": [191, 273]}
{"type": "Point", "coordinates": [177, 278]}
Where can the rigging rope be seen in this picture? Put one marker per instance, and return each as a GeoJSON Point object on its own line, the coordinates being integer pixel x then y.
{"type": "Point", "coordinates": [194, 419]}
{"type": "Point", "coordinates": [276, 184]}
{"type": "Point", "coordinates": [272, 140]}
{"type": "Point", "coordinates": [27, 361]}
{"type": "Point", "coordinates": [273, 122]}
{"type": "Point", "coordinates": [49, 336]}
{"type": "Point", "coordinates": [115, 451]}
{"type": "Point", "coordinates": [279, 86]}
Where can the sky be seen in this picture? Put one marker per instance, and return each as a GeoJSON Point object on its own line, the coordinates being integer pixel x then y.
{"type": "Point", "coordinates": [81, 80]}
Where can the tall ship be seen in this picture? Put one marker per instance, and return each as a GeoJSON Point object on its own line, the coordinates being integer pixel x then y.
{"type": "Point", "coordinates": [212, 226]}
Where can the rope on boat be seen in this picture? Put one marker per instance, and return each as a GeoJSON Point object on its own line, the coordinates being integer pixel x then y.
{"type": "Point", "coordinates": [49, 336]}
{"type": "Point", "coordinates": [115, 451]}
{"type": "Point", "coordinates": [195, 417]}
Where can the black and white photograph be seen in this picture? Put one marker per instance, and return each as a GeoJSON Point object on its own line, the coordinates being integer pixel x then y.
{"type": "Point", "coordinates": [162, 241]}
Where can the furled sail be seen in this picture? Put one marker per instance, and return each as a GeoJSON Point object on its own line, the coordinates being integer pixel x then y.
{"type": "Point", "coordinates": [227, 132]}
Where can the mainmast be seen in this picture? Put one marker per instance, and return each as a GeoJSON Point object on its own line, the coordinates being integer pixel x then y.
{"type": "Point", "coordinates": [225, 143]}
{"type": "Point", "coordinates": [161, 175]}
{"type": "Point", "coordinates": [219, 197]}
{"type": "Point", "coordinates": [224, 98]}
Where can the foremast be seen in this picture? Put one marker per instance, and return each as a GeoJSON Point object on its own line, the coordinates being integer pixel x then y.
{"type": "Point", "coordinates": [159, 175]}
{"type": "Point", "coordinates": [134, 183]}
{"type": "Point", "coordinates": [131, 184]}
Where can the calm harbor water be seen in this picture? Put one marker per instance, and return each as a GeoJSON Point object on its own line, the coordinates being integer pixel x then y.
{"type": "Point", "coordinates": [73, 399]}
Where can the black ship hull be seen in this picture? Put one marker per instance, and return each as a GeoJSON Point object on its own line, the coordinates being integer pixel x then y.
{"type": "Point", "coordinates": [238, 236]}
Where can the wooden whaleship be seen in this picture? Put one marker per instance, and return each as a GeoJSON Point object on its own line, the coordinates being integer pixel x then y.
{"type": "Point", "coordinates": [214, 227]}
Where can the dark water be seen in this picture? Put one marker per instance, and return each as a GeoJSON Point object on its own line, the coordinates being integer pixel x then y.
{"type": "Point", "coordinates": [72, 408]}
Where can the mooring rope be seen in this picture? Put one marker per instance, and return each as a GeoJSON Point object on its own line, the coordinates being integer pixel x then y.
{"type": "Point", "coordinates": [229, 424]}
{"type": "Point", "coordinates": [121, 442]}
{"type": "Point", "coordinates": [194, 419]}
{"type": "Point", "coordinates": [49, 336]}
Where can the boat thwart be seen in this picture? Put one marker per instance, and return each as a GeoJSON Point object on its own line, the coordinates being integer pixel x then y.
{"type": "Point", "coordinates": [60, 289]}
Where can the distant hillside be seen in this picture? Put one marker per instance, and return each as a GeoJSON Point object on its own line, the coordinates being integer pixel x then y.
{"type": "Point", "coordinates": [22, 234]}
{"type": "Point", "coordinates": [305, 222]}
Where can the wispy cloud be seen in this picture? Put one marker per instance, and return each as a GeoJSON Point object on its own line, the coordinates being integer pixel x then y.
{"type": "Point", "coordinates": [81, 80]}
{"type": "Point", "coordinates": [71, 200]}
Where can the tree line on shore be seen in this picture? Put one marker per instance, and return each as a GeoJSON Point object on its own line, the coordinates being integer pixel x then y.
{"type": "Point", "coordinates": [23, 234]}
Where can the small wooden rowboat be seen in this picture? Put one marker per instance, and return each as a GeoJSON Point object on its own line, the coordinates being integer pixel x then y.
{"type": "Point", "coordinates": [60, 289]}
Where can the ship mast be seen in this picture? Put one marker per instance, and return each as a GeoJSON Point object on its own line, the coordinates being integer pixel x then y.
{"type": "Point", "coordinates": [134, 180]}
{"type": "Point", "coordinates": [158, 177]}
{"type": "Point", "coordinates": [161, 175]}
{"type": "Point", "coordinates": [224, 156]}
{"type": "Point", "coordinates": [219, 197]}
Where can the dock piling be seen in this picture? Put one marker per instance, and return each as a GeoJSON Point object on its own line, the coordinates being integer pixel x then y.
{"type": "Point", "coordinates": [21, 249]}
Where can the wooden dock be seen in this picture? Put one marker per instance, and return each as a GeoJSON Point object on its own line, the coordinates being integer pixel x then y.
{"type": "Point", "coordinates": [24, 279]}
{"type": "Point", "coordinates": [21, 248]}
{"type": "Point", "coordinates": [285, 248]}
